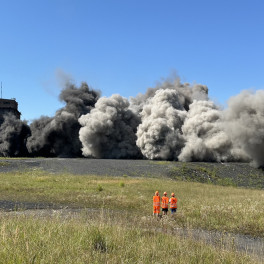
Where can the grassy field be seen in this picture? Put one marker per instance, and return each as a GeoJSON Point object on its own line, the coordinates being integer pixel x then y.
{"type": "Point", "coordinates": [206, 206]}
{"type": "Point", "coordinates": [128, 234]}
{"type": "Point", "coordinates": [100, 240]}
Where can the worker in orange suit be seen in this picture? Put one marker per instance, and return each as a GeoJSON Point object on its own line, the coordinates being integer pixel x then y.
{"type": "Point", "coordinates": [156, 204]}
{"type": "Point", "coordinates": [164, 203]}
{"type": "Point", "coordinates": [173, 203]}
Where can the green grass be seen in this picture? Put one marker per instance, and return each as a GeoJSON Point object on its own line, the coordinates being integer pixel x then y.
{"type": "Point", "coordinates": [13, 158]}
{"type": "Point", "coordinates": [211, 207]}
{"type": "Point", "coordinates": [161, 162]}
{"type": "Point", "coordinates": [100, 240]}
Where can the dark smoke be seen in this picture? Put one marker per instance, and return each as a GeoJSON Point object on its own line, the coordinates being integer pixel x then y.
{"type": "Point", "coordinates": [13, 134]}
{"type": "Point", "coordinates": [59, 135]}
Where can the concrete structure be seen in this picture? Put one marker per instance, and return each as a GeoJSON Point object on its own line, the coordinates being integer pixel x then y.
{"type": "Point", "coordinates": [8, 106]}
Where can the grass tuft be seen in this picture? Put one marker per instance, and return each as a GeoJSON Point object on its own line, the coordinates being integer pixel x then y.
{"type": "Point", "coordinates": [99, 188]}
{"type": "Point", "coordinates": [98, 240]}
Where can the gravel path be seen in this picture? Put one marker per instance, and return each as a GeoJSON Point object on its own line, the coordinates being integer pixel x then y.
{"type": "Point", "coordinates": [9, 206]}
{"type": "Point", "coordinates": [86, 166]}
{"type": "Point", "coordinates": [251, 246]}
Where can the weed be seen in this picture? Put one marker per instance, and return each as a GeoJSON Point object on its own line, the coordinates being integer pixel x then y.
{"type": "Point", "coordinates": [98, 240]}
{"type": "Point", "coordinates": [226, 182]}
{"type": "Point", "coordinates": [99, 188]}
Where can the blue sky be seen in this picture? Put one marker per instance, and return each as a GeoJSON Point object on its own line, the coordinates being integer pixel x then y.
{"type": "Point", "coordinates": [126, 46]}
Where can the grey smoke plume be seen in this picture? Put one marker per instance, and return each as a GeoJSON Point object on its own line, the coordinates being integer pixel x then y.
{"type": "Point", "coordinates": [172, 121]}
{"type": "Point", "coordinates": [59, 135]}
{"type": "Point", "coordinates": [244, 119]}
{"type": "Point", "coordinates": [38, 143]}
{"type": "Point", "coordinates": [108, 131]}
{"type": "Point", "coordinates": [186, 94]}
{"type": "Point", "coordinates": [204, 135]}
{"type": "Point", "coordinates": [159, 135]}
{"type": "Point", "coordinates": [13, 134]}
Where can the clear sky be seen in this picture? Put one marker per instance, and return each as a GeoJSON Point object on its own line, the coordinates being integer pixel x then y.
{"type": "Point", "coordinates": [126, 46]}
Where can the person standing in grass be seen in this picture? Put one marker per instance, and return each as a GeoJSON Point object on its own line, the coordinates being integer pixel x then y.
{"type": "Point", "coordinates": [164, 203]}
{"type": "Point", "coordinates": [173, 203]}
{"type": "Point", "coordinates": [156, 204]}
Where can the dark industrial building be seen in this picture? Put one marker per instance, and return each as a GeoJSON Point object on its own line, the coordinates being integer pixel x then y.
{"type": "Point", "coordinates": [8, 106]}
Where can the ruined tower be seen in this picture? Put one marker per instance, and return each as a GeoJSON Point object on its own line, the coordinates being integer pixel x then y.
{"type": "Point", "coordinates": [8, 106]}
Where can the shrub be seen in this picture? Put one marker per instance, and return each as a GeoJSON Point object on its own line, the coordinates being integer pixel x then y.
{"type": "Point", "coordinates": [99, 187]}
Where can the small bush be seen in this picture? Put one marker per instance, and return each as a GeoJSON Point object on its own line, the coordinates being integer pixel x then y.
{"type": "Point", "coordinates": [122, 184]}
{"type": "Point", "coordinates": [99, 187]}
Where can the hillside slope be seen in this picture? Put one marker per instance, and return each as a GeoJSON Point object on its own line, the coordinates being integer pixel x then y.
{"type": "Point", "coordinates": [234, 174]}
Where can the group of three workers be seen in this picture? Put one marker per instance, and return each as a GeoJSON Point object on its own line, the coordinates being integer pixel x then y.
{"type": "Point", "coordinates": [164, 201]}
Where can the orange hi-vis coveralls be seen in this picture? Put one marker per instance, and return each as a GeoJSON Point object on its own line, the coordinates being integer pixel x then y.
{"type": "Point", "coordinates": [165, 202]}
{"type": "Point", "coordinates": [173, 203]}
{"type": "Point", "coordinates": [156, 204]}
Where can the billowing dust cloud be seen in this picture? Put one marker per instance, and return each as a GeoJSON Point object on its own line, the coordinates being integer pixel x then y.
{"type": "Point", "coordinates": [204, 136]}
{"type": "Point", "coordinates": [59, 135]}
{"type": "Point", "coordinates": [172, 121]}
{"type": "Point", "coordinates": [159, 134]}
{"type": "Point", "coordinates": [244, 123]}
{"type": "Point", "coordinates": [109, 130]}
